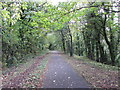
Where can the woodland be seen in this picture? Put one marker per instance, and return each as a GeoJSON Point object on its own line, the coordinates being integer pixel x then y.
{"type": "Point", "coordinates": [90, 29]}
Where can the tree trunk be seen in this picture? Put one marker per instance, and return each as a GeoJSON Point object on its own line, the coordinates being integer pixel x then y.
{"type": "Point", "coordinates": [71, 44]}
{"type": "Point", "coordinates": [78, 45]}
{"type": "Point", "coordinates": [63, 41]}
{"type": "Point", "coordinates": [85, 42]}
{"type": "Point", "coordinates": [97, 52]}
{"type": "Point", "coordinates": [110, 45]}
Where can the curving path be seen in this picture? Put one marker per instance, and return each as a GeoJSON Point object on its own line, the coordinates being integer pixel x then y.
{"type": "Point", "coordinates": [61, 75]}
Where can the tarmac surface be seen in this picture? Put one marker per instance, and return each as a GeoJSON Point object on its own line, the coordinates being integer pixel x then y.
{"type": "Point", "coordinates": [61, 75]}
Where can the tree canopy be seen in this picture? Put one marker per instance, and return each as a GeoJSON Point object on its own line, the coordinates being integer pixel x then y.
{"type": "Point", "coordinates": [87, 29]}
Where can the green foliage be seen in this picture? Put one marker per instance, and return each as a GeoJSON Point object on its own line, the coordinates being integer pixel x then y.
{"type": "Point", "coordinates": [25, 28]}
{"type": "Point", "coordinates": [20, 37]}
{"type": "Point", "coordinates": [97, 64]}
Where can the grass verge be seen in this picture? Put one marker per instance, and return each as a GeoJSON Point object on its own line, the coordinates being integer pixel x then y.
{"type": "Point", "coordinates": [12, 72]}
{"type": "Point", "coordinates": [28, 60]}
{"type": "Point", "coordinates": [96, 74]}
{"type": "Point", "coordinates": [34, 79]}
{"type": "Point", "coordinates": [97, 64]}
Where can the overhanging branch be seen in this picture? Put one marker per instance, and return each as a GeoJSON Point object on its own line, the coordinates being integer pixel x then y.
{"type": "Point", "coordinates": [43, 4]}
{"type": "Point", "coordinates": [90, 7]}
{"type": "Point", "coordinates": [79, 9]}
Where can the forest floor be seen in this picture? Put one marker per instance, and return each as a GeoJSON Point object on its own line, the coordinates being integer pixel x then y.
{"type": "Point", "coordinates": [27, 75]}
{"type": "Point", "coordinates": [57, 70]}
{"type": "Point", "coordinates": [97, 74]}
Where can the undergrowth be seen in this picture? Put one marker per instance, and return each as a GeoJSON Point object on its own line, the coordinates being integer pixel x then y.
{"type": "Point", "coordinates": [27, 60]}
{"type": "Point", "coordinates": [97, 64]}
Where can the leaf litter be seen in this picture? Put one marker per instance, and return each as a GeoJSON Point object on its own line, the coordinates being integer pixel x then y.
{"type": "Point", "coordinates": [97, 77]}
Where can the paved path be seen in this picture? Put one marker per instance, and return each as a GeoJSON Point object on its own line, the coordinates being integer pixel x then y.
{"type": "Point", "coordinates": [61, 75]}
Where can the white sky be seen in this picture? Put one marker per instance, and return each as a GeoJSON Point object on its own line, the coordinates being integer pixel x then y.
{"type": "Point", "coordinates": [54, 2]}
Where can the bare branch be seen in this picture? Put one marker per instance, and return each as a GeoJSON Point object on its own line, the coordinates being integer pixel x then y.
{"type": "Point", "coordinates": [43, 4]}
